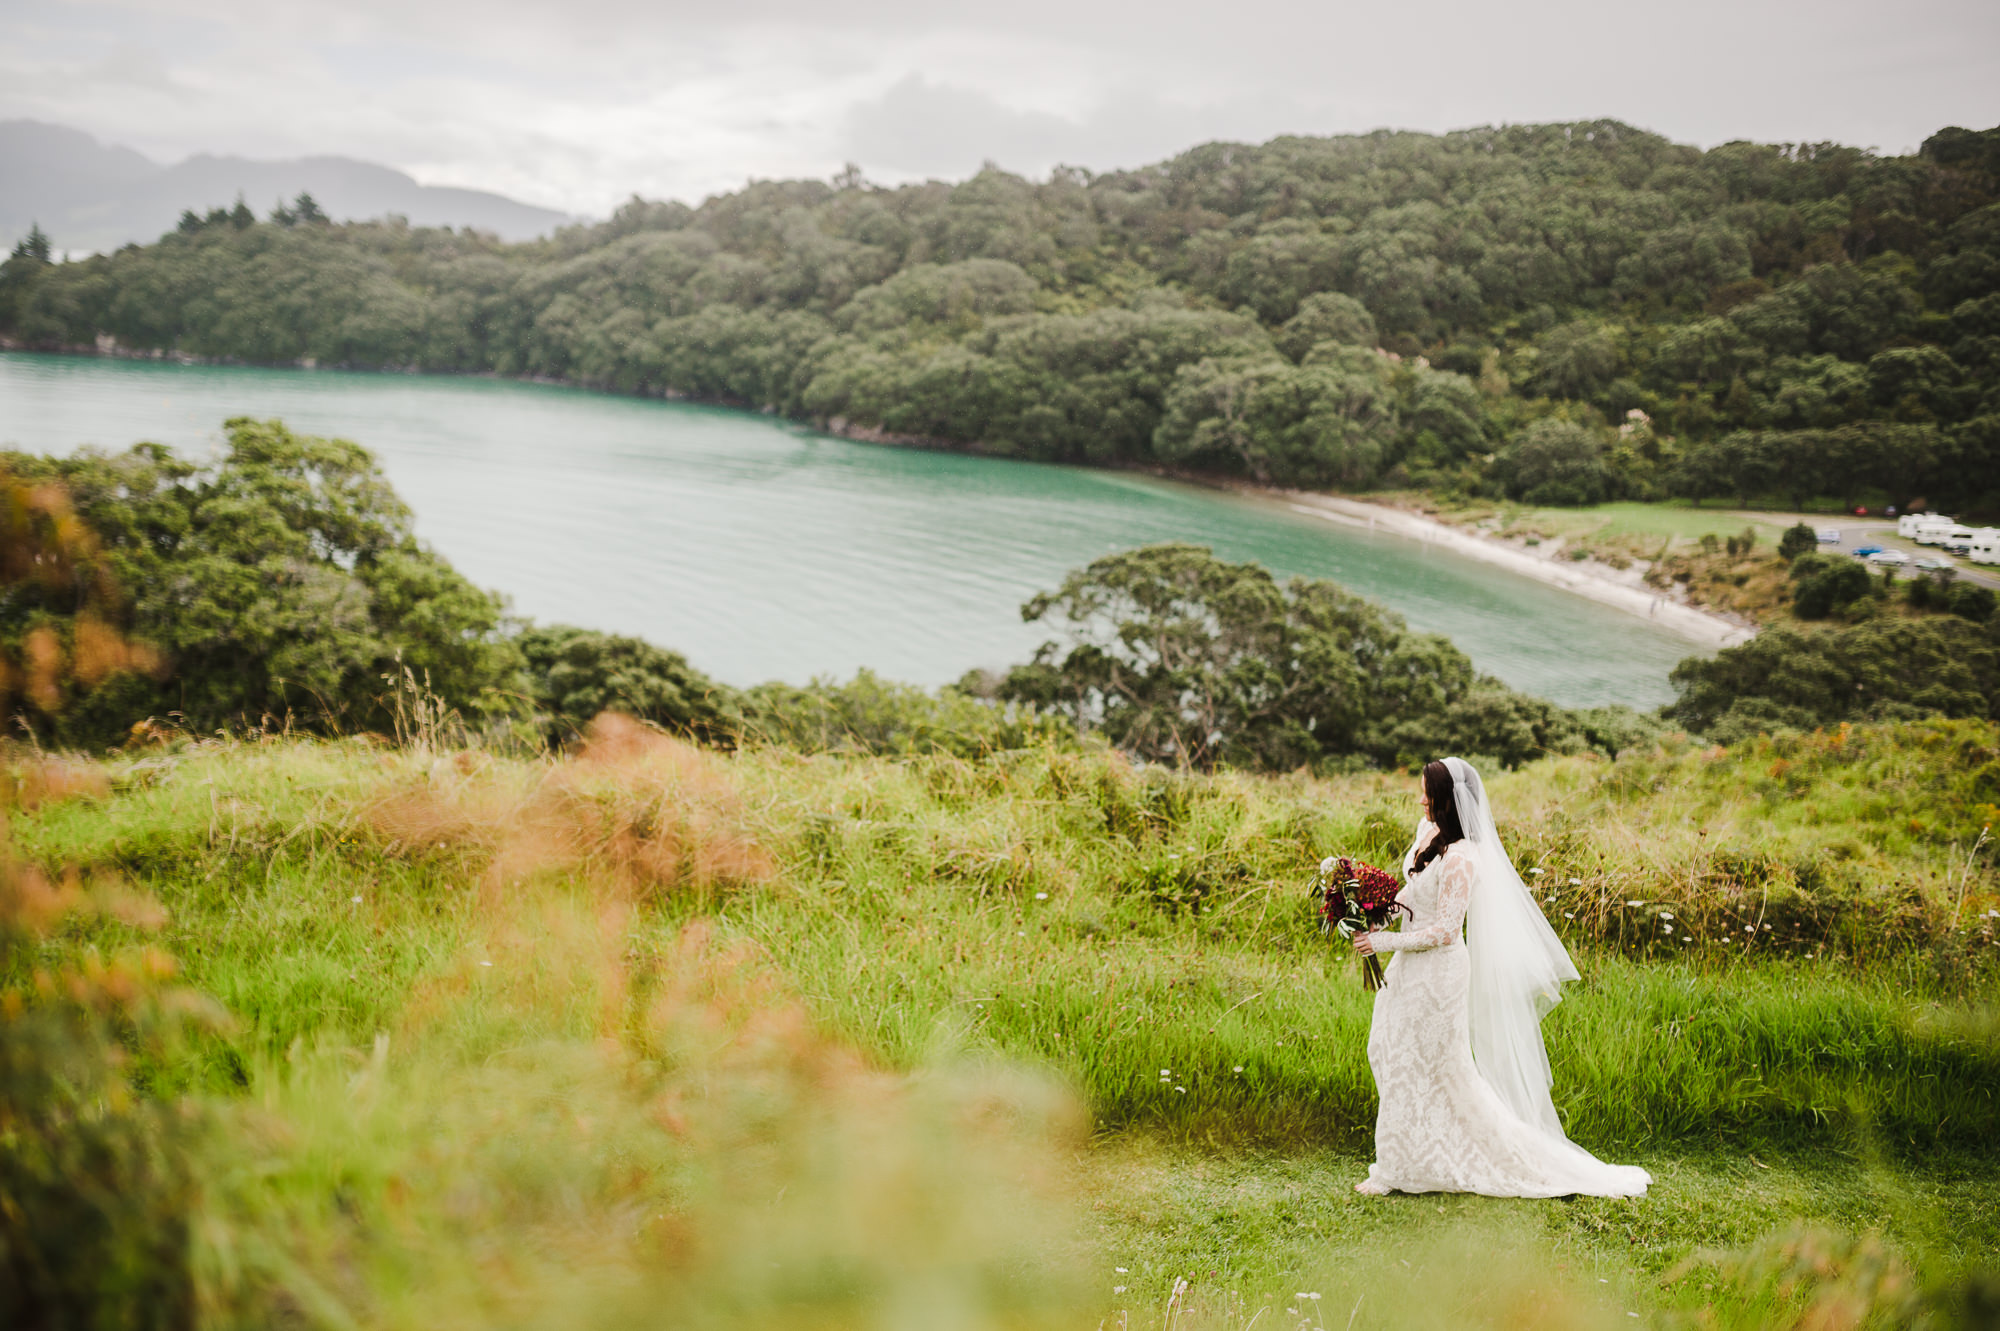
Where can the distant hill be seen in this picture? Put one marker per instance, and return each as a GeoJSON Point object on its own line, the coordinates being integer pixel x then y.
{"type": "Point", "coordinates": [92, 196]}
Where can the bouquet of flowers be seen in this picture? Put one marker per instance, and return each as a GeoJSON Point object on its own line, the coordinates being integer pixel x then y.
{"type": "Point", "coordinates": [1354, 897]}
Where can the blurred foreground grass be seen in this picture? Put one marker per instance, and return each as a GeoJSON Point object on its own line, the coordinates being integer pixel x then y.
{"type": "Point", "coordinates": [655, 1036]}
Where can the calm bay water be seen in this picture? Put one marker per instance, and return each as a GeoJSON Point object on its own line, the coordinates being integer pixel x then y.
{"type": "Point", "coordinates": [766, 551]}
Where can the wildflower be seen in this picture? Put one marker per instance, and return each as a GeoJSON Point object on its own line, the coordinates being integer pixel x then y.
{"type": "Point", "coordinates": [357, 900]}
{"type": "Point", "coordinates": [1180, 1090]}
{"type": "Point", "coordinates": [1121, 1270]}
{"type": "Point", "coordinates": [1118, 1289]}
{"type": "Point", "coordinates": [1635, 904]}
{"type": "Point", "coordinates": [1576, 882]}
{"type": "Point", "coordinates": [486, 963]}
{"type": "Point", "coordinates": [1666, 915]}
{"type": "Point", "coordinates": [1669, 928]}
{"type": "Point", "coordinates": [1239, 1067]}
{"type": "Point", "coordinates": [1536, 872]}
{"type": "Point", "coordinates": [1165, 1072]}
{"type": "Point", "coordinates": [1569, 915]}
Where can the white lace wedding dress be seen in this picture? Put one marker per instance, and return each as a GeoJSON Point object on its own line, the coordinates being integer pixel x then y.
{"type": "Point", "coordinates": [1441, 1127]}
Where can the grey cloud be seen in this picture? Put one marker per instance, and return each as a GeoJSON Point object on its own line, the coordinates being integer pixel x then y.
{"type": "Point", "coordinates": [577, 105]}
{"type": "Point", "coordinates": [920, 128]}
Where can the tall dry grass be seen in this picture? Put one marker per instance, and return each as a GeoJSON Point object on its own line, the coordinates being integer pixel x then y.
{"type": "Point", "coordinates": [633, 808]}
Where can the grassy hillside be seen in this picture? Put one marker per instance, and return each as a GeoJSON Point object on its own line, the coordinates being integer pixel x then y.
{"type": "Point", "coordinates": [649, 1033]}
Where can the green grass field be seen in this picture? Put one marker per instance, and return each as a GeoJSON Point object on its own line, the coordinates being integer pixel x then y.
{"type": "Point", "coordinates": [1641, 526]}
{"type": "Point", "coordinates": [656, 1036]}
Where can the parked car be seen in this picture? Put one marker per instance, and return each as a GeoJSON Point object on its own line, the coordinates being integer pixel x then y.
{"type": "Point", "coordinates": [1889, 558]}
{"type": "Point", "coordinates": [1929, 564]}
{"type": "Point", "coordinates": [1864, 551]}
{"type": "Point", "coordinates": [1828, 535]}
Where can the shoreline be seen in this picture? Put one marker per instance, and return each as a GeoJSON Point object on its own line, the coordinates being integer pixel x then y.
{"type": "Point", "coordinates": [1621, 590]}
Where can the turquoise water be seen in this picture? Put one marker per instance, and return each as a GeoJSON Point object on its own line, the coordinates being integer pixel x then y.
{"type": "Point", "coordinates": [764, 550]}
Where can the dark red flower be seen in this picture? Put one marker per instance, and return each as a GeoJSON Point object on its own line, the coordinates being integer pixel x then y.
{"type": "Point", "coordinates": [1362, 896]}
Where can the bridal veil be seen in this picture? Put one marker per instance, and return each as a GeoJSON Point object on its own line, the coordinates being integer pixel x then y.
{"type": "Point", "coordinates": [1518, 965]}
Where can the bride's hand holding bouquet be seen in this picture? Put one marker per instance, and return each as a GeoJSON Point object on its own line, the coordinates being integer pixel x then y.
{"type": "Point", "coordinates": [1356, 898]}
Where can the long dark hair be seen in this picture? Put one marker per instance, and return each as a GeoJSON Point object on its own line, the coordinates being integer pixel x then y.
{"type": "Point", "coordinates": [1444, 812]}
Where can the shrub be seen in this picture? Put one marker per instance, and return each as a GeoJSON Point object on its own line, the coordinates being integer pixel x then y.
{"type": "Point", "coordinates": [1883, 669]}
{"type": "Point", "coordinates": [1823, 590]}
{"type": "Point", "coordinates": [577, 673]}
{"type": "Point", "coordinates": [869, 714]}
{"type": "Point", "coordinates": [1970, 601]}
{"type": "Point", "coordinates": [1797, 540]}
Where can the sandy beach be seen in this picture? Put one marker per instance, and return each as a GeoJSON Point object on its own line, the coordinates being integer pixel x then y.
{"type": "Point", "coordinates": [1622, 589]}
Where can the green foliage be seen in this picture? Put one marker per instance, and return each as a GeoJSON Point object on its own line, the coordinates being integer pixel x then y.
{"type": "Point", "coordinates": [1557, 463]}
{"type": "Point", "coordinates": [574, 674]}
{"type": "Point", "coordinates": [1799, 539]}
{"type": "Point", "coordinates": [33, 247]}
{"type": "Point", "coordinates": [1825, 584]}
{"type": "Point", "coordinates": [1971, 601]}
{"type": "Point", "coordinates": [280, 582]}
{"type": "Point", "coordinates": [869, 714]}
{"type": "Point", "coordinates": [97, 1199]}
{"type": "Point", "coordinates": [1327, 422]}
{"type": "Point", "coordinates": [1326, 316]}
{"type": "Point", "coordinates": [1809, 321]}
{"type": "Point", "coordinates": [1576, 360]}
{"type": "Point", "coordinates": [1880, 669]}
{"type": "Point", "coordinates": [1179, 657]}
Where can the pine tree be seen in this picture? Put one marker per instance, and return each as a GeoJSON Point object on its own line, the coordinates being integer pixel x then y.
{"type": "Point", "coordinates": [34, 245]}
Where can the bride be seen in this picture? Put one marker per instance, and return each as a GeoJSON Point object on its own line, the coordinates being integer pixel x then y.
{"type": "Point", "coordinates": [1456, 1044]}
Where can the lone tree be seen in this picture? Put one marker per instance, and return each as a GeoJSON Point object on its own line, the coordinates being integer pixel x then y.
{"type": "Point", "coordinates": [1183, 658]}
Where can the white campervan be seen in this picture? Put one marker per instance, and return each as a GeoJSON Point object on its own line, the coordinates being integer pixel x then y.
{"type": "Point", "coordinates": [1985, 546]}
{"type": "Point", "coordinates": [1910, 524]}
{"type": "Point", "coordinates": [1942, 531]}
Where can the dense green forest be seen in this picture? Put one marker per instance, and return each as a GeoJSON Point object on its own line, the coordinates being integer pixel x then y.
{"type": "Point", "coordinates": [1565, 313]}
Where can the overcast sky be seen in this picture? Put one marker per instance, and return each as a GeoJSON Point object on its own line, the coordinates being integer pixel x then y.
{"type": "Point", "coordinates": [576, 104]}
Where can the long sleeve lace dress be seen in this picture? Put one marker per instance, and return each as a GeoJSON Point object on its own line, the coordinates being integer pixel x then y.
{"type": "Point", "coordinates": [1440, 1127]}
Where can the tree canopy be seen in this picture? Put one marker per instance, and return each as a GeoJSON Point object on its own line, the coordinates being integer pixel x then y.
{"type": "Point", "coordinates": [1183, 658]}
{"type": "Point", "coordinates": [1384, 309]}
{"type": "Point", "coordinates": [281, 581]}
